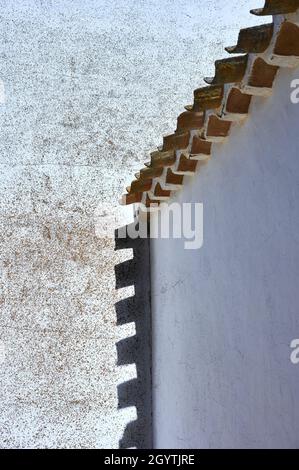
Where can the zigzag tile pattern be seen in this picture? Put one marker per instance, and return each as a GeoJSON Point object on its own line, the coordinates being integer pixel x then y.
{"type": "Point", "coordinates": [218, 106]}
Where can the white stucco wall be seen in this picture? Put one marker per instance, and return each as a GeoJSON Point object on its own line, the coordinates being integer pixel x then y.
{"type": "Point", "coordinates": [224, 315]}
{"type": "Point", "coordinates": [90, 87]}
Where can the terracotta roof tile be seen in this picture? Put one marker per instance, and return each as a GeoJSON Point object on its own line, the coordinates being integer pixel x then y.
{"type": "Point", "coordinates": [229, 70]}
{"type": "Point", "coordinates": [200, 146]}
{"type": "Point", "coordinates": [139, 186]}
{"type": "Point", "coordinates": [255, 39]}
{"type": "Point", "coordinates": [185, 166]}
{"type": "Point", "coordinates": [172, 178]}
{"type": "Point", "coordinates": [262, 74]}
{"type": "Point", "coordinates": [208, 97]}
{"type": "Point", "coordinates": [146, 173]}
{"type": "Point", "coordinates": [287, 42]}
{"type": "Point", "coordinates": [276, 7]}
{"type": "Point", "coordinates": [237, 102]}
{"type": "Point", "coordinates": [175, 141]}
{"type": "Point", "coordinates": [190, 120]}
{"type": "Point", "coordinates": [217, 127]}
{"type": "Point", "coordinates": [159, 192]}
{"type": "Point", "coordinates": [217, 106]}
{"type": "Point", "coordinates": [160, 159]}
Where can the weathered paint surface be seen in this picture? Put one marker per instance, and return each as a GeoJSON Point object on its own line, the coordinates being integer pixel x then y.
{"type": "Point", "coordinates": [224, 316]}
{"type": "Point", "coordinates": [89, 88]}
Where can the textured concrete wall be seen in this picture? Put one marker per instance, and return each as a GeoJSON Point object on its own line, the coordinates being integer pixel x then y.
{"type": "Point", "coordinates": [90, 86]}
{"type": "Point", "coordinates": [224, 315]}
{"type": "Point", "coordinates": [136, 349]}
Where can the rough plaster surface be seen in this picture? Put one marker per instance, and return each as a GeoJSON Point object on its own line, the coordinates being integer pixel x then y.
{"type": "Point", "coordinates": [224, 316]}
{"type": "Point", "coordinates": [90, 86]}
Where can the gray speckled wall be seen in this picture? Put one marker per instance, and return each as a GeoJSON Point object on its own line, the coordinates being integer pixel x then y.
{"type": "Point", "coordinates": [89, 88]}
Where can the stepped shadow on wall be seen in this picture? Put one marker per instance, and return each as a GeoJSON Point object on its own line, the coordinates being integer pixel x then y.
{"type": "Point", "coordinates": [136, 349]}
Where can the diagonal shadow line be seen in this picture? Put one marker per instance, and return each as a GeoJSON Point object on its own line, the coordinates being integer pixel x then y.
{"type": "Point", "coordinates": [136, 349]}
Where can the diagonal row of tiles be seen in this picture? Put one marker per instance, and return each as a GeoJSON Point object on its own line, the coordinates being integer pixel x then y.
{"type": "Point", "coordinates": [217, 106]}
